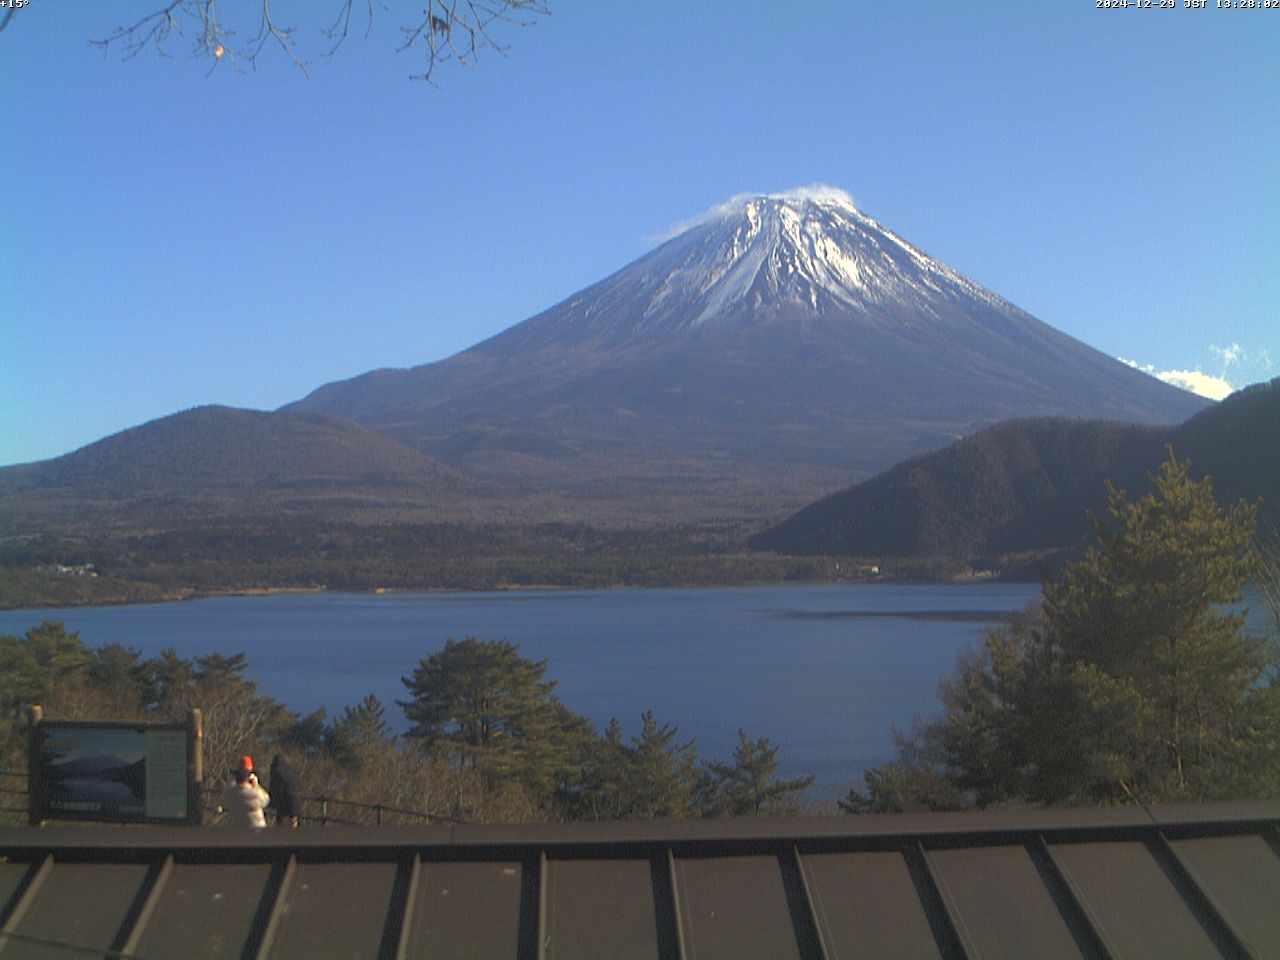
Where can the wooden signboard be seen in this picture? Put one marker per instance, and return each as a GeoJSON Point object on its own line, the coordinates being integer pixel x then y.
{"type": "Point", "coordinates": [120, 771]}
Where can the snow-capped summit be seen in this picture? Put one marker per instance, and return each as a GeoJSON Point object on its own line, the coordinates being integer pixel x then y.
{"type": "Point", "coordinates": [776, 346]}
{"type": "Point", "coordinates": [811, 248]}
{"type": "Point", "coordinates": [807, 259]}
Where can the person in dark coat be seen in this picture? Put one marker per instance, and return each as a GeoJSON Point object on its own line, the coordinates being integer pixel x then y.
{"type": "Point", "coordinates": [286, 801]}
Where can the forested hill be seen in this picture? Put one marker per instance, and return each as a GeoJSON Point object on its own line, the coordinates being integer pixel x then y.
{"type": "Point", "coordinates": [240, 459]}
{"type": "Point", "coordinates": [954, 501]}
{"type": "Point", "coordinates": [1237, 442]}
{"type": "Point", "coordinates": [1025, 488]}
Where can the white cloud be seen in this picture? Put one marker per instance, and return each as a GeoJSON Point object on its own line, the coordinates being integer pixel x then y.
{"type": "Point", "coordinates": [1202, 384]}
{"type": "Point", "coordinates": [1250, 364]}
{"type": "Point", "coordinates": [1227, 355]}
{"type": "Point", "coordinates": [1244, 365]}
{"type": "Point", "coordinates": [1193, 381]}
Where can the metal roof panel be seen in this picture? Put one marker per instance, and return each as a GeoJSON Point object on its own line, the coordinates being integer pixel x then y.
{"type": "Point", "coordinates": [463, 910]}
{"type": "Point", "coordinates": [12, 875]}
{"type": "Point", "coordinates": [600, 908]}
{"type": "Point", "coordinates": [1242, 876]}
{"type": "Point", "coordinates": [1002, 907]}
{"type": "Point", "coordinates": [1135, 901]}
{"type": "Point", "coordinates": [331, 910]}
{"type": "Point", "coordinates": [1127, 883]}
{"type": "Point", "coordinates": [72, 905]}
{"type": "Point", "coordinates": [866, 905]}
{"type": "Point", "coordinates": [203, 911]}
{"type": "Point", "coordinates": [735, 908]}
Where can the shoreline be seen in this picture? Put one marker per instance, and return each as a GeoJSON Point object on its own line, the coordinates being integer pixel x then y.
{"type": "Point", "coordinates": [251, 592]}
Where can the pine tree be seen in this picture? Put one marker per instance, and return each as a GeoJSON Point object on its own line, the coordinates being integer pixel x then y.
{"type": "Point", "coordinates": [359, 733]}
{"type": "Point", "coordinates": [477, 696]}
{"type": "Point", "coordinates": [1133, 682]}
{"type": "Point", "coordinates": [1165, 684]}
{"type": "Point", "coordinates": [749, 786]}
{"type": "Point", "coordinates": [662, 773]}
{"type": "Point", "coordinates": [604, 789]}
{"type": "Point", "coordinates": [492, 711]}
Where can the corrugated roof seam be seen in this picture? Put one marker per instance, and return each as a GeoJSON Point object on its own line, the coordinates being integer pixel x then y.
{"type": "Point", "coordinates": [1193, 882]}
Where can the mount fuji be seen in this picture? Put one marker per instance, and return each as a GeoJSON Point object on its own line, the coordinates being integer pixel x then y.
{"type": "Point", "coordinates": [781, 346]}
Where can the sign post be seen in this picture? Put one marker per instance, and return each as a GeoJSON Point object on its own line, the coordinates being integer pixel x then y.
{"type": "Point", "coordinates": [119, 771]}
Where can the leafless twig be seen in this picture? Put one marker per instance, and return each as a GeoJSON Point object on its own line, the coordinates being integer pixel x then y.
{"type": "Point", "coordinates": [446, 30]}
{"type": "Point", "coordinates": [154, 28]}
{"type": "Point", "coordinates": [453, 30]}
{"type": "Point", "coordinates": [337, 32]}
{"type": "Point", "coordinates": [267, 29]}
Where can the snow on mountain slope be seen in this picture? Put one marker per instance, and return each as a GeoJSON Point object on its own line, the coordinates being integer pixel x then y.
{"type": "Point", "coordinates": [799, 248]}
{"type": "Point", "coordinates": [780, 339]}
{"type": "Point", "coordinates": [761, 257]}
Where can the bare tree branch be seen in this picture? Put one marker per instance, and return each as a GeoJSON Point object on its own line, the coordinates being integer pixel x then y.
{"type": "Point", "coordinates": [282, 35]}
{"type": "Point", "coordinates": [447, 30]}
{"type": "Point", "coordinates": [337, 33]}
{"type": "Point", "coordinates": [151, 29]}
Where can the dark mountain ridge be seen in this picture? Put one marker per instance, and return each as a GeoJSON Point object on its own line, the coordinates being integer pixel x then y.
{"type": "Point", "coordinates": [232, 446]}
{"type": "Point", "coordinates": [1025, 488]}
{"type": "Point", "coordinates": [222, 460]}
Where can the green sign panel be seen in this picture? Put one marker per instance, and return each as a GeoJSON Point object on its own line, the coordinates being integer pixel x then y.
{"type": "Point", "coordinates": [114, 771]}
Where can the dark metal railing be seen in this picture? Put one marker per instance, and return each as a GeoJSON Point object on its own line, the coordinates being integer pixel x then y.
{"type": "Point", "coordinates": [376, 814]}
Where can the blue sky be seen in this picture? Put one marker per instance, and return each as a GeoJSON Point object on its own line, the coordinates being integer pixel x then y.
{"type": "Point", "coordinates": [171, 237]}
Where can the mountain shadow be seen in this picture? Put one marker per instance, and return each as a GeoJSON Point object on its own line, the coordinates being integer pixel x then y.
{"type": "Point", "coordinates": [1023, 491]}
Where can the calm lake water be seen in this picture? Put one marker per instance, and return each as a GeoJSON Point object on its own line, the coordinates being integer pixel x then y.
{"type": "Point", "coordinates": [825, 672]}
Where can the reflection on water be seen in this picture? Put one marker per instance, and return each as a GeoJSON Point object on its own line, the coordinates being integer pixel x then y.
{"type": "Point", "coordinates": [958, 616]}
{"type": "Point", "coordinates": [824, 671]}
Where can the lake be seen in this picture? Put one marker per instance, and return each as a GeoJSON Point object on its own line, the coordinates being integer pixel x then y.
{"type": "Point", "coordinates": [825, 672]}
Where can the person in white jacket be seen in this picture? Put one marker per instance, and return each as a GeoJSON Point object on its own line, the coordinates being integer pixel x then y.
{"type": "Point", "coordinates": [244, 801]}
